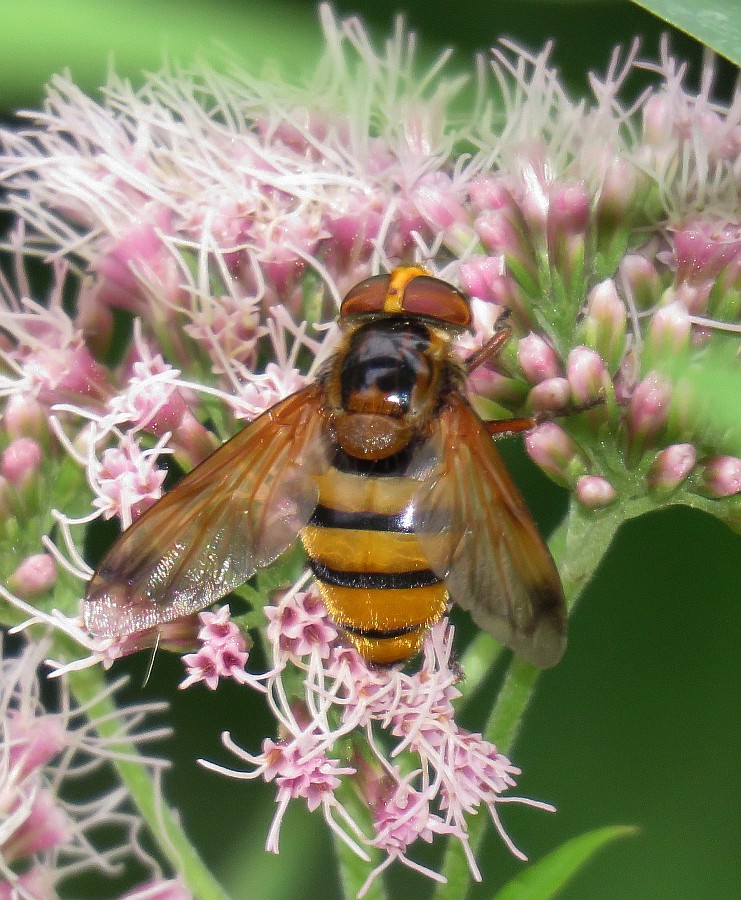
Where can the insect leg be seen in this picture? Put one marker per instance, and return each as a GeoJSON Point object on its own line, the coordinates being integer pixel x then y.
{"type": "Point", "coordinates": [487, 350]}
{"type": "Point", "coordinates": [508, 427]}
{"type": "Point", "coordinates": [502, 333]}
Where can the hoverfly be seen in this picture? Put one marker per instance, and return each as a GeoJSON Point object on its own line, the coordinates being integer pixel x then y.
{"type": "Point", "coordinates": [387, 475]}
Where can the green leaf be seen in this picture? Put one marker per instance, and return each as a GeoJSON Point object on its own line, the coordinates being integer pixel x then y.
{"type": "Point", "coordinates": [710, 389]}
{"type": "Point", "coordinates": [88, 688]}
{"type": "Point", "coordinates": [549, 875]}
{"type": "Point", "coordinates": [86, 36]}
{"type": "Point", "coordinates": [716, 23]}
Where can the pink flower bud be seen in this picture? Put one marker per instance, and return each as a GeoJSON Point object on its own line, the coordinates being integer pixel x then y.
{"type": "Point", "coordinates": [671, 467]}
{"type": "Point", "coordinates": [552, 449]}
{"type": "Point", "coordinates": [36, 575]}
{"type": "Point", "coordinates": [658, 119]}
{"type": "Point", "coordinates": [25, 417]}
{"type": "Point", "coordinates": [33, 742]}
{"type": "Point", "coordinates": [538, 360]}
{"type": "Point", "coordinates": [479, 276]}
{"type": "Point", "coordinates": [500, 235]}
{"type": "Point", "coordinates": [669, 332]}
{"type": "Point", "coordinates": [533, 197]}
{"type": "Point", "coordinates": [409, 221]}
{"type": "Point", "coordinates": [551, 395]}
{"type": "Point", "coordinates": [44, 828]}
{"type": "Point", "coordinates": [437, 200]}
{"type": "Point", "coordinates": [568, 210]}
{"type": "Point", "coordinates": [487, 278]}
{"type": "Point", "coordinates": [21, 461]}
{"type": "Point", "coordinates": [626, 378]}
{"type": "Point", "coordinates": [693, 297]}
{"type": "Point", "coordinates": [703, 249]}
{"type": "Point", "coordinates": [138, 249]}
{"type": "Point", "coordinates": [617, 194]}
{"type": "Point", "coordinates": [642, 280]}
{"type": "Point", "coordinates": [277, 243]}
{"type": "Point", "coordinates": [604, 326]}
{"type": "Point", "coordinates": [647, 413]}
{"type": "Point", "coordinates": [587, 375]}
{"type": "Point", "coordinates": [508, 392]}
{"type": "Point", "coordinates": [594, 492]}
{"type": "Point", "coordinates": [489, 192]}
{"type": "Point", "coordinates": [192, 440]}
{"type": "Point", "coordinates": [722, 476]}
{"type": "Point", "coordinates": [84, 377]}
{"type": "Point", "coordinates": [354, 223]}
{"type": "Point", "coordinates": [568, 219]}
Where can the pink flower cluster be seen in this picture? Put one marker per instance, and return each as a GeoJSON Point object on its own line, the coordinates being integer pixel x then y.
{"type": "Point", "coordinates": [222, 654]}
{"type": "Point", "coordinates": [46, 836]}
{"type": "Point", "coordinates": [406, 720]}
{"type": "Point", "coordinates": [217, 220]}
{"type": "Point", "coordinates": [228, 223]}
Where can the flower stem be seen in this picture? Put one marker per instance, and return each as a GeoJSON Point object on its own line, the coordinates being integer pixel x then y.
{"type": "Point", "coordinates": [353, 870]}
{"type": "Point", "coordinates": [577, 546]}
{"type": "Point", "coordinates": [88, 684]}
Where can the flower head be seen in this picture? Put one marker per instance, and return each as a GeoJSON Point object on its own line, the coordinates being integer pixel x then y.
{"type": "Point", "coordinates": [396, 715]}
{"type": "Point", "coordinates": [222, 218]}
{"type": "Point", "coordinates": [48, 831]}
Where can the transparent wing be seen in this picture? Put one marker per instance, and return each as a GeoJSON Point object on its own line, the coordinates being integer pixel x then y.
{"type": "Point", "coordinates": [234, 513]}
{"type": "Point", "coordinates": [478, 535]}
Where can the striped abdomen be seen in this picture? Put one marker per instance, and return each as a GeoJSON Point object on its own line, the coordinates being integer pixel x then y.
{"type": "Point", "coordinates": [374, 579]}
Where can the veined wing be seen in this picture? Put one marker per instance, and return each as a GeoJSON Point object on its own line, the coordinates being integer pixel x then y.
{"type": "Point", "coordinates": [234, 513]}
{"type": "Point", "coordinates": [478, 535]}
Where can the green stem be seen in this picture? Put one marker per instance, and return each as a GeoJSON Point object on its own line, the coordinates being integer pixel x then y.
{"type": "Point", "coordinates": [88, 684]}
{"type": "Point", "coordinates": [353, 870]}
{"type": "Point", "coordinates": [514, 697]}
{"type": "Point", "coordinates": [476, 663]}
{"type": "Point", "coordinates": [578, 546]}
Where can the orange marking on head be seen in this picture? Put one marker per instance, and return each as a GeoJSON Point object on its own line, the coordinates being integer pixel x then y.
{"type": "Point", "coordinates": [398, 280]}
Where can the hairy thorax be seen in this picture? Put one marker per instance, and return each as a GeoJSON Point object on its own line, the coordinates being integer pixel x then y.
{"type": "Point", "coordinates": [386, 382]}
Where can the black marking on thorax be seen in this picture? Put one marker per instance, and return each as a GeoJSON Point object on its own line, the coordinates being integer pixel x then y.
{"type": "Point", "coordinates": [386, 357]}
{"type": "Point", "coordinates": [389, 467]}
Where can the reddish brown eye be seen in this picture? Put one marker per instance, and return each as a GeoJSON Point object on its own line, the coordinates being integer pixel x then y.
{"type": "Point", "coordinates": [367, 297]}
{"type": "Point", "coordinates": [408, 290]}
{"type": "Point", "coordinates": [436, 299]}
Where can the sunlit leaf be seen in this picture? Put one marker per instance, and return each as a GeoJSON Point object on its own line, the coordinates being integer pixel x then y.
{"type": "Point", "coordinates": [715, 23]}
{"type": "Point", "coordinates": [549, 875]}
{"type": "Point", "coordinates": [712, 389]}
{"type": "Point", "coordinates": [86, 36]}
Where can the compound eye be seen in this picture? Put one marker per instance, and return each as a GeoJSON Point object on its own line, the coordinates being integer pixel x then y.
{"type": "Point", "coordinates": [436, 299]}
{"type": "Point", "coordinates": [369, 296]}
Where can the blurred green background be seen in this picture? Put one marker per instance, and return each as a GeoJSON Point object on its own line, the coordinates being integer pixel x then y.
{"type": "Point", "coordinates": [640, 723]}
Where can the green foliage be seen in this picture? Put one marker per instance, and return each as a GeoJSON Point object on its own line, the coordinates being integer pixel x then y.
{"type": "Point", "coordinates": [716, 23]}
{"type": "Point", "coordinates": [545, 878]}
